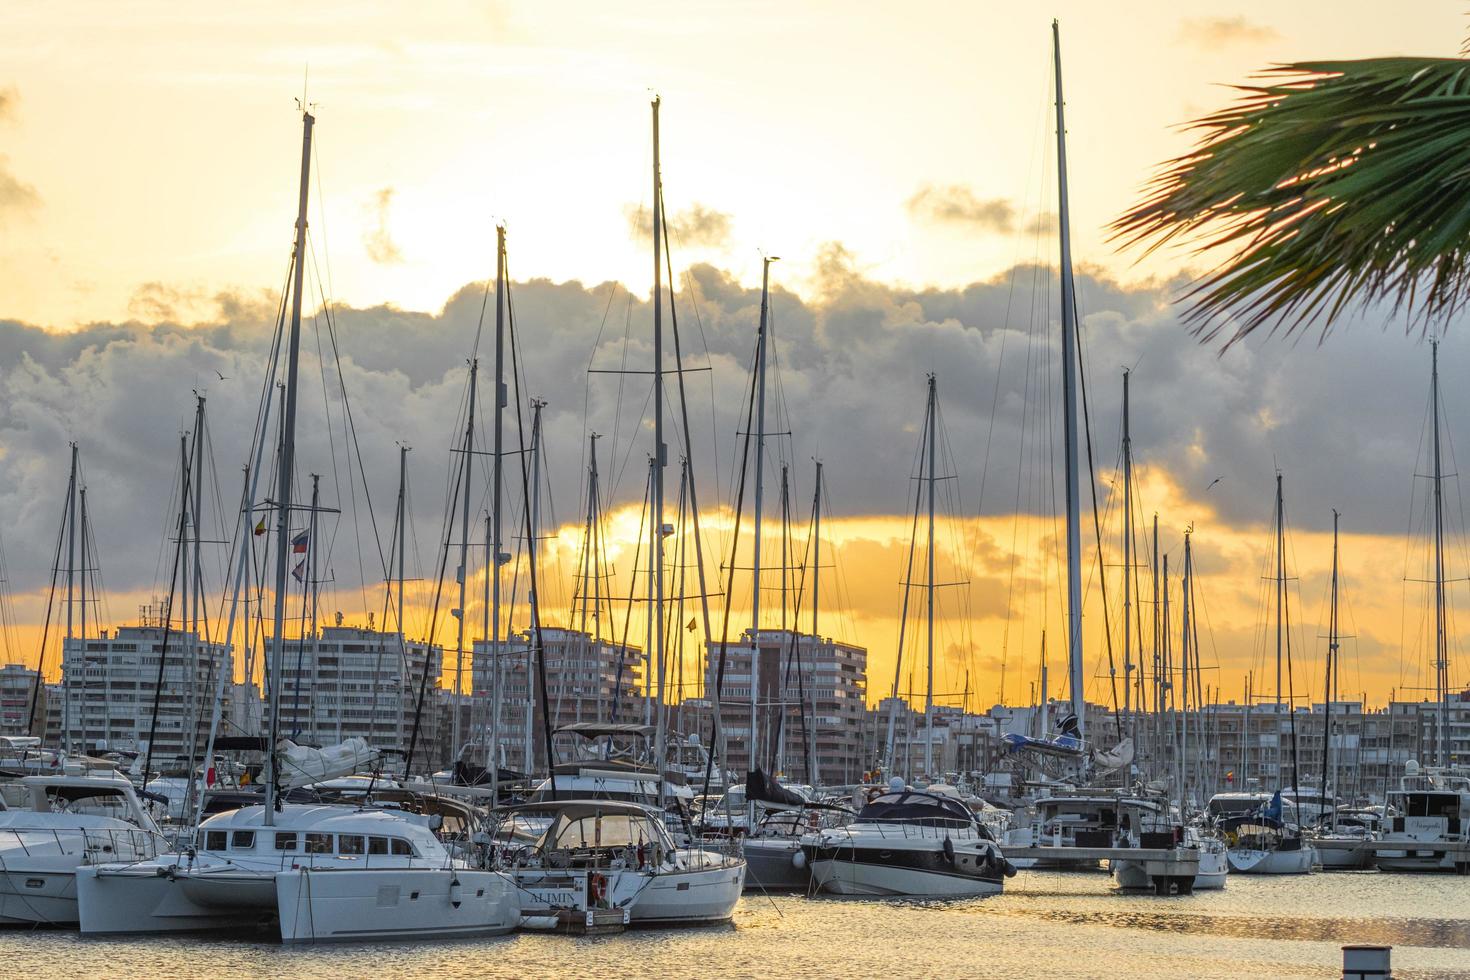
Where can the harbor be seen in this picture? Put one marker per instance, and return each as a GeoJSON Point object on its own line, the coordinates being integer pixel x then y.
{"type": "Point", "coordinates": [1087, 930]}
{"type": "Point", "coordinates": [549, 576]}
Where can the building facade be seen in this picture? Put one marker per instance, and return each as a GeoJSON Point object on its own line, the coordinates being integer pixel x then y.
{"type": "Point", "coordinates": [125, 690]}
{"type": "Point", "coordinates": [22, 704]}
{"type": "Point", "coordinates": [828, 676]}
{"type": "Point", "coordinates": [347, 682]}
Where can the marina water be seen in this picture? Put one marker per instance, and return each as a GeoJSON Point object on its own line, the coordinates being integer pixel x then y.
{"type": "Point", "coordinates": [1047, 924]}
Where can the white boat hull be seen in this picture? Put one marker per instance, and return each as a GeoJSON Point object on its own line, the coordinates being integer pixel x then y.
{"type": "Point", "coordinates": [547, 895]}
{"type": "Point", "coordinates": [38, 896]}
{"type": "Point", "coordinates": [1252, 861]}
{"type": "Point", "coordinates": [1408, 858]}
{"type": "Point", "coordinates": [393, 903]}
{"type": "Point", "coordinates": [1343, 855]}
{"type": "Point", "coordinates": [706, 892]}
{"type": "Point", "coordinates": [118, 900]}
{"type": "Point", "coordinates": [853, 878]}
{"type": "Point", "coordinates": [1214, 869]}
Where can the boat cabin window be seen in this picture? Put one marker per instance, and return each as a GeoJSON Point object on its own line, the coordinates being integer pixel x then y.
{"type": "Point", "coordinates": [213, 840]}
{"type": "Point", "coordinates": [243, 840]}
{"type": "Point", "coordinates": [377, 845]}
{"type": "Point", "coordinates": [285, 842]}
{"type": "Point", "coordinates": [402, 847]}
{"type": "Point", "coordinates": [351, 844]}
{"type": "Point", "coordinates": [318, 843]}
{"type": "Point", "coordinates": [1432, 805]}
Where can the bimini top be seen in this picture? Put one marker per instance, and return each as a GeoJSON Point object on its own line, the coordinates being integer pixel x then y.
{"type": "Point", "coordinates": [575, 809]}
{"type": "Point", "coordinates": [914, 807]}
{"type": "Point", "coordinates": [1252, 822]}
{"type": "Point", "coordinates": [594, 729]}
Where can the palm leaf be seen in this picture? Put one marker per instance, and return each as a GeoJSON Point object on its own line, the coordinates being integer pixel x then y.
{"type": "Point", "coordinates": [1332, 182]}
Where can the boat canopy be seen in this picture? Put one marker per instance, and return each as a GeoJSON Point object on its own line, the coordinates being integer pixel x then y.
{"type": "Point", "coordinates": [593, 729]}
{"type": "Point", "coordinates": [912, 806]}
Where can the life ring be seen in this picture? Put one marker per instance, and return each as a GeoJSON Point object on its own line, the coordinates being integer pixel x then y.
{"type": "Point", "coordinates": [597, 888]}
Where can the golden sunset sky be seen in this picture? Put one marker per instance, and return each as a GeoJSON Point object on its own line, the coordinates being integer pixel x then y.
{"type": "Point", "coordinates": [147, 176]}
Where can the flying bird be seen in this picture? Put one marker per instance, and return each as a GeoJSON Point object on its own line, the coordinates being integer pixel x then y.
{"type": "Point", "coordinates": [221, 376]}
{"type": "Point", "coordinates": [1212, 483]}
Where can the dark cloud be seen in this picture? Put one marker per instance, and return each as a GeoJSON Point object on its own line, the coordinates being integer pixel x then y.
{"type": "Point", "coordinates": [1214, 32]}
{"type": "Point", "coordinates": [958, 204]}
{"type": "Point", "coordinates": [1344, 421]}
{"type": "Point", "coordinates": [378, 240]}
{"type": "Point", "coordinates": [696, 226]}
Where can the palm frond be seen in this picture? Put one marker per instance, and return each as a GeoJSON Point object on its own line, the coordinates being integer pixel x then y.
{"type": "Point", "coordinates": [1332, 182]}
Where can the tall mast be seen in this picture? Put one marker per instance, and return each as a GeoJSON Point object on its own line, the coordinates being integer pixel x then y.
{"type": "Point", "coordinates": [82, 605]}
{"type": "Point", "coordinates": [812, 767]}
{"type": "Point", "coordinates": [660, 455]}
{"type": "Point", "coordinates": [929, 686]}
{"type": "Point", "coordinates": [784, 670]}
{"type": "Point", "coordinates": [1184, 604]}
{"type": "Point", "coordinates": [591, 566]}
{"type": "Point", "coordinates": [285, 470]}
{"type": "Point", "coordinates": [1280, 581]}
{"type": "Point", "coordinates": [71, 564]}
{"type": "Point", "coordinates": [311, 591]}
{"type": "Point", "coordinates": [496, 529]}
{"type": "Point", "coordinates": [1069, 405]}
{"type": "Point", "coordinates": [464, 554]}
{"type": "Point", "coordinates": [760, 456]}
{"type": "Point", "coordinates": [193, 635]}
{"type": "Point", "coordinates": [1158, 691]}
{"type": "Point", "coordinates": [1329, 688]}
{"type": "Point", "coordinates": [402, 546]}
{"type": "Point", "coordinates": [1441, 647]}
{"type": "Point", "coordinates": [1127, 562]}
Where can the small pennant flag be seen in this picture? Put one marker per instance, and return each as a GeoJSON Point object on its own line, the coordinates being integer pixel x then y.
{"type": "Point", "coordinates": [299, 572]}
{"type": "Point", "coordinates": [260, 528]}
{"type": "Point", "coordinates": [1230, 776]}
{"type": "Point", "coordinates": [298, 543]}
{"type": "Point", "coordinates": [690, 625]}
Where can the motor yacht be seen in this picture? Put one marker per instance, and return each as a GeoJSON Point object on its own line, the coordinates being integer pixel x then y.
{"type": "Point", "coordinates": [908, 842]}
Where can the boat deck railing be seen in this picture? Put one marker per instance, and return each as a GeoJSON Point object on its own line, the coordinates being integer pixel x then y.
{"type": "Point", "coordinates": [94, 845]}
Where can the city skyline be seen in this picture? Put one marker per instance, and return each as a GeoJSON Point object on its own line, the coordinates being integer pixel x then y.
{"type": "Point", "coordinates": [926, 257]}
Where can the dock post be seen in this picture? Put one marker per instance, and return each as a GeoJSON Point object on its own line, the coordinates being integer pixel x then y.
{"type": "Point", "coordinates": [1367, 963]}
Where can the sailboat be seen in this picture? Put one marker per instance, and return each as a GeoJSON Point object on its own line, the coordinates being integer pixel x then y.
{"type": "Point", "coordinates": [1432, 803]}
{"type": "Point", "coordinates": [690, 883]}
{"type": "Point", "coordinates": [1339, 846]}
{"type": "Point", "coordinates": [321, 871]}
{"type": "Point", "coordinates": [909, 841]}
{"type": "Point", "coordinates": [1264, 841]}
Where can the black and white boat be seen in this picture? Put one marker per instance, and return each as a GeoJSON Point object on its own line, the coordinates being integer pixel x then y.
{"type": "Point", "coordinates": [908, 842]}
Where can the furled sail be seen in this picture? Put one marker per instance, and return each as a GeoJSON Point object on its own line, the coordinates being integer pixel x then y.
{"type": "Point", "coordinates": [301, 765]}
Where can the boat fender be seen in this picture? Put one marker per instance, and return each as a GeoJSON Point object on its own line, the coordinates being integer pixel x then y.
{"type": "Point", "coordinates": [949, 850]}
{"type": "Point", "coordinates": [798, 860]}
{"type": "Point", "coordinates": [454, 898]}
{"type": "Point", "coordinates": [1010, 869]}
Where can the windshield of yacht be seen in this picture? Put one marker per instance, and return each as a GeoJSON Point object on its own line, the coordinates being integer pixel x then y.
{"type": "Point", "coordinates": [1426, 804]}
